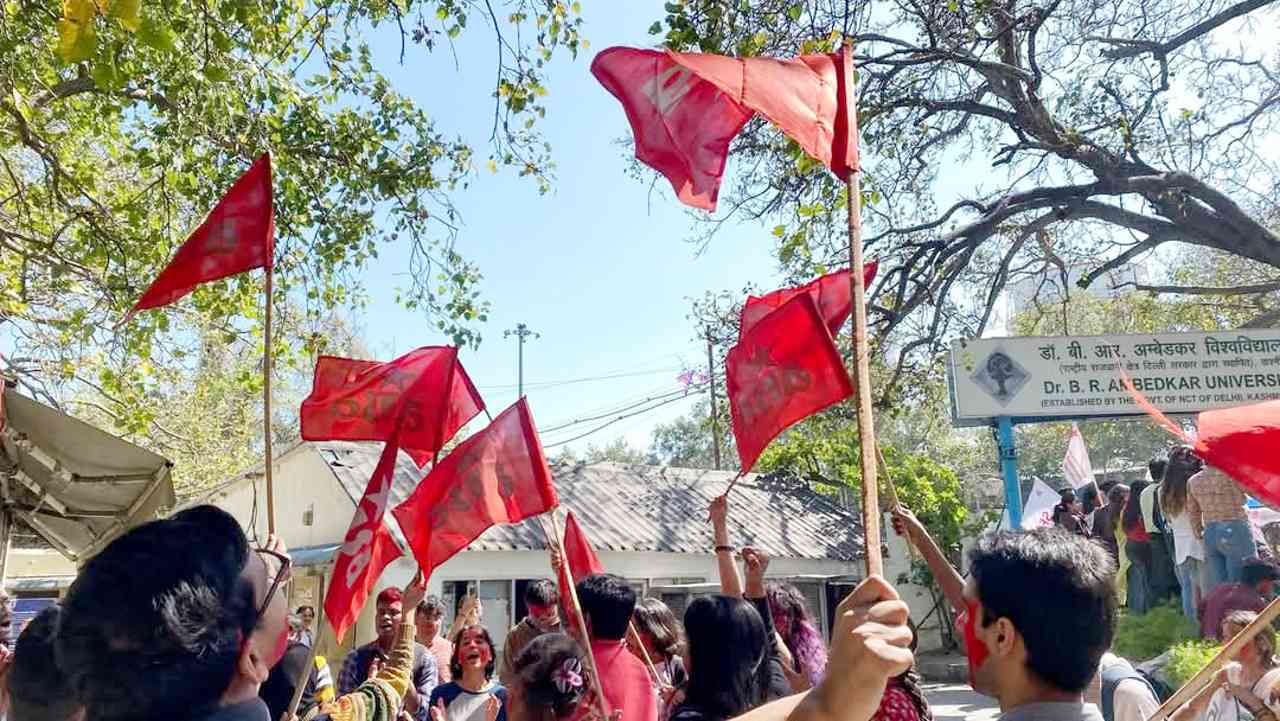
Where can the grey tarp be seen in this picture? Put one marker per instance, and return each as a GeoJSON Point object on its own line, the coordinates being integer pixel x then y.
{"type": "Point", "coordinates": [76, 485]}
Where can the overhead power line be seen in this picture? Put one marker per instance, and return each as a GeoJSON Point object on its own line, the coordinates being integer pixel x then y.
{"type": "Point", "coordinates": [617, 419]}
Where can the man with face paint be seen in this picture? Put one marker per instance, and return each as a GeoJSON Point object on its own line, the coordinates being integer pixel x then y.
{"type": "Point", "coordinates": [1037, 613]}
{"type": "Point", "coordinates": [177, 619]}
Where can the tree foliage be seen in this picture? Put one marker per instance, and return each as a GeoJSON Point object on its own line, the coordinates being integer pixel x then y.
{"type": "Point", "coordinates": [1008, 139]}
{"type": "Point", "coordinates": [122, 122]}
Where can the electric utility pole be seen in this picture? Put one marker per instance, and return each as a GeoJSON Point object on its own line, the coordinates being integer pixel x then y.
{"type": "Point", "coordinates": [521, 332]}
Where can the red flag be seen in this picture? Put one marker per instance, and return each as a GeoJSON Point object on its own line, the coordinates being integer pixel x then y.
{"type": "Point", "coordinates": [831, 294]}
{"type": "Point", "coordinates": [237, 236]}
{"type": "Point", "coordinates": [810, 98]}
{"type": "Point", "coordinates": [425, 394]}
{"type": "Point", "coordinates": [785, 369]}
{"type": "Point", "coordinates": [1239, 441]}
{"type": "Point", "coordinates": [498, 475]}
{"type": "Point", "coordinates": [578, 553]}
{"type": "Point", "coordinates": [367, 548]}
{"type": "Point", "coordinates": [682, 125]}
{"type": "Point", "coordinates": [685, 109]}
{"type": "Point", "coordinates": [1242, 442]}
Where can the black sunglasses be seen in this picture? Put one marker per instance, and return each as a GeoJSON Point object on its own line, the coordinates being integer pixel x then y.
{"type": "Point", "coordinates": [283, 575]}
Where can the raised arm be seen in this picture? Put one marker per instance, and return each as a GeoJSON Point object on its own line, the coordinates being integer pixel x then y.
{"type": "Point", "coordinates": [730, 581]}
{"type": "Point", "coordinates": [948, 578]}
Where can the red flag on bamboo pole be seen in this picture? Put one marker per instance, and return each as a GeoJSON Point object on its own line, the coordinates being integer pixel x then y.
{"type": "Point", "coordinates": [830, 293]}
{"type": "Point", "coordinates": [237, 236]}
{"type": "Point", "coordinates": [685, 109]}
{"type": "Point", "coordinates": [498, 475]}
{"type": "Point", "coordinates": [580, 557]}
{"type": "Point", "coordinates": [424, 395]}
{"type": "Point", "coordinates": [783, 370]}
{"type": "Point", "coordinates": [367, 548]}
{"type": "Point", "coordinates": [1239, 441]}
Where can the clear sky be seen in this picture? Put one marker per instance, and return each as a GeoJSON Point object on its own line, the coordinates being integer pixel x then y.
{"type": "Point", "coordinates": [599, 266]}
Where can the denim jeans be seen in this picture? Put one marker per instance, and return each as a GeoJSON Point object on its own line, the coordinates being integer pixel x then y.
{"type": "Point", "coordinates": [1189, 581]}
{"type": "Point", "coordinates": [1227, 544]}
{"type": "Point", "coordinates": [1138, 594]}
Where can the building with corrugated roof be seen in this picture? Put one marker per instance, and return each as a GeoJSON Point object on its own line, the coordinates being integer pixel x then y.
{"type": "Point", "coordinates": [647, 523]}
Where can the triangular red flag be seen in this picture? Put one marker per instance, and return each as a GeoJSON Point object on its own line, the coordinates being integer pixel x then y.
{"type": "Point", "coordinates": [425, 395]}
{"type": "Point", "coordinates": [498, 475]}
{"type": "Point", "coordinates": [810, 98]}
{"type": "Point", "coordinates": [237, 236]}
{"type": "Point", "coordinates": [782, 371]}
{"type": "Point", "coordinates": [831, 294]}
{"type": "Point", "coordinates": [367, 548]}
{"type": "Point", "coordinates": [682, 125]}
{"type": "Point", "coordinates": [579, 554]}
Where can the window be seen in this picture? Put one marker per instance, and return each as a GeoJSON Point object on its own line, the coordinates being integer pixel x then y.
{"type": "Point", "coordinates": [25, 609]}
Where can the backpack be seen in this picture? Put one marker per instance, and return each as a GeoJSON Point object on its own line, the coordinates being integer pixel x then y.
{"type": "Point", "coordinates": [1111, 679]}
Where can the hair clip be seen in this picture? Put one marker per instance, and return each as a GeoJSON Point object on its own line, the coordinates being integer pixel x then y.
{"type": "Point", "coordinates": [569, 676]}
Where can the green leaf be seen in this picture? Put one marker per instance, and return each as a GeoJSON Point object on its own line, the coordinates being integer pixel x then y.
{"type": "Point", "coordinates": [655, 28]}
{"type": "Point", "coordinates": [794, 12]}
{"type": "Point", "coordinates": [216, 74]}
{"type": "Point", "coordinates": [127, 12]}
{"type": "Point", "coordinates": [156, 35]}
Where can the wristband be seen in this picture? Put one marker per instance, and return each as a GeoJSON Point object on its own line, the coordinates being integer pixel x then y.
{"type": "Point", "coordinates": [724, 549]}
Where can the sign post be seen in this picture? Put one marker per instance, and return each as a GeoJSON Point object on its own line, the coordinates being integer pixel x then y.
{"type": "Point", "coordinates": [1009, 469]}
{"type": "Point", "coordinates": [1002, 382]}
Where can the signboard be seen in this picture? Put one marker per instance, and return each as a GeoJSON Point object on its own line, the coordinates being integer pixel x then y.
{"type": "Point", "coordinates": [1039, 378]}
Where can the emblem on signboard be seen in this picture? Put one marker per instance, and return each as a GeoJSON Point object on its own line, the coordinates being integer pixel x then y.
{"type": "Point", "coordinates": [1001, 377]}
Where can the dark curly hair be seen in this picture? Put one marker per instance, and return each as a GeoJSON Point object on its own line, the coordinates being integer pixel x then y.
{"type": "Point", "coordinates": [455, 662]}
{"type": "Point", "coordinates": [535, 670]}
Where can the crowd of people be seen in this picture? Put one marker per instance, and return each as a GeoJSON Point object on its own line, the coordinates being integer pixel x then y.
{"type": "Point", "coordinates": [183, 618]}
{"type": "Point", "coordinates": [1181, 535]}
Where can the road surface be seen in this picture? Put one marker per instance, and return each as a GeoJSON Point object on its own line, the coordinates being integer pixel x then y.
{"type": "Point", "coordinates": [952, 702]}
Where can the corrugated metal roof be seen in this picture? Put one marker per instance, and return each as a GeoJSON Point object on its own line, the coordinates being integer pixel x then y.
{"type": "Point", "coordinates": [648, 508]}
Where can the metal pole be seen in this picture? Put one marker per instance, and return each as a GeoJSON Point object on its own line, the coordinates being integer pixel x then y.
{"type": "Point", "coordinates": [266, 407]}
{"type": "Point", "coordinates": [715, 416]}
{"type": "Point", "coordinates": [521, 332]}
{"type": "Point", "coordinates": [1009, 469]}
{"type": "Point", "coordinates": [6, 542]}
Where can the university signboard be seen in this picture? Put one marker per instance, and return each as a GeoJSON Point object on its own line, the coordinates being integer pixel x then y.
{"type": "Point", "coordinates": [1037, 378]}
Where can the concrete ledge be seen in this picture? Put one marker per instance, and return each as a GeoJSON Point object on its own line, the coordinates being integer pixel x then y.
{"type": "Point", "coordinates": [943, 668]}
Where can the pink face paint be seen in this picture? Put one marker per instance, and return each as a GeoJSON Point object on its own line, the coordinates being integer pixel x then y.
{"type": "Point", "coordinates": [975, 649]}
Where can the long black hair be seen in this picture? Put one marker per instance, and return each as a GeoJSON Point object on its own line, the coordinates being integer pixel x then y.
{"type": "Point", "coordinates": [653, 617]}
{"type": "Point", "coordinates": [727, 642]}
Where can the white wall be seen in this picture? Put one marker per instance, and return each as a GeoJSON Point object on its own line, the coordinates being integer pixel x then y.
{"type": "Point", "coordinates": [302, 482]}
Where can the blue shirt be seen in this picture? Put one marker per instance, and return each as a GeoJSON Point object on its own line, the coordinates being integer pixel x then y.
{"type": "Point", "coordinates": [463, 705]}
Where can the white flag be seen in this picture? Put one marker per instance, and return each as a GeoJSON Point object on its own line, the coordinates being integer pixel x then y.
{"type": "Point", "coordinates": [1076, 466]}
{"type": "Point", "coordinates": [1038, 512]}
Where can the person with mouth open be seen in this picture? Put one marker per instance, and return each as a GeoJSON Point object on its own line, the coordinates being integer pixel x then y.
{"type": "Point", "coordinates": [364, 662]}
{"type": "Point", "coordinates": [472, 695]}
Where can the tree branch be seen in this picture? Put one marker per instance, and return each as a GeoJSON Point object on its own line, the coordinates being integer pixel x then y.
{"type": "Point", "coordinates": [1127, 48]}
{"type": "Point", "coordinates": [1200, 289]}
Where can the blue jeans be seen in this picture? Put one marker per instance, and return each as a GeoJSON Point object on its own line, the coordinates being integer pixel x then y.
{"type": "Point", "coordinates": [1227, 545]}
{"type": "Point", "coordinates": [1189, 581]}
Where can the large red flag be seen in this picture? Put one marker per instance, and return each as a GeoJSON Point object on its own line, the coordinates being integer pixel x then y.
{"type": "Point", "coordinates": [1240, 441]}
{"type": "Point", "coordinates": [425, 395]}
{"type": "Point", "coordinates": [685, 109]}
{"type": "Point", "coordinates": [810, 98]}
{"type": "Point", "coordinates": [237, 236]}
{"type": "Point", "coordinates": [682, 125]}
{"type": "Point", "coordinates": [498, 475]}
{"type": "Point", "coordinates": [367, 548]}
{"type": "Point", "coordinates": [785, 369]}
{"type": "Point", "coordinates": [831, 294]}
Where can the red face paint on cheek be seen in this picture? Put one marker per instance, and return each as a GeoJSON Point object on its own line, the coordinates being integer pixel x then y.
{"type": "Point", "coordinates": [975, 649]}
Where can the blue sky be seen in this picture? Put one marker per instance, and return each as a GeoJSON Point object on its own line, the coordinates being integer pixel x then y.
{"type": "Point", "coordinates": [599, 266]}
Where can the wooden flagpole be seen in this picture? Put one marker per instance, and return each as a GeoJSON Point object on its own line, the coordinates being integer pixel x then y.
{"type": "Point", "coordinates": [861, 357]}
{"type": "Point", "coordinates": [266, 405]}
{"type": "Point", "coordinates": [1228, 652]}
{"type": "Point", "coordinates": [556, 540]}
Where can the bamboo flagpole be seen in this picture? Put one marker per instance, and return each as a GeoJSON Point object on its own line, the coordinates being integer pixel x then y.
{"type": "Point", "coordinates": [1228, 652]}
{"type": "Point", "coordinates": [266, 405]}
{"type": "Point", "coordinates": [556, 541]}
{"type": "Point", "coordinates": [861, 357]}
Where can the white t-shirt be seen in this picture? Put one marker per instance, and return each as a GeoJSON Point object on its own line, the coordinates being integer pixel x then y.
{"type": "Point", "coordinates": [1224, 707]}
{"type": "Point", "coordinates": [1185, 543]}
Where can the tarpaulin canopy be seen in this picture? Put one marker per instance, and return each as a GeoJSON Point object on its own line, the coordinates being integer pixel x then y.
{"type": "Point", "coordinates": [75, 485]}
